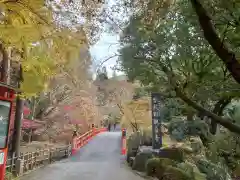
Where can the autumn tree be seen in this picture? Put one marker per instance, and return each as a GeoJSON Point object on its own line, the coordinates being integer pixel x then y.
{"type": "Point", "coordinates": [31, 37]}
{"type": "Point", "coordinates": [71, 99]}
{"type": "Point", "coordinates": [38, 40]}
{"type": "Point", "coordinates": [113, 93]}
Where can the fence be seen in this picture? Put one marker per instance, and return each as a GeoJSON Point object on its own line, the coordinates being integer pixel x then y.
{"type": "Point", "coordinates": [30, 161]}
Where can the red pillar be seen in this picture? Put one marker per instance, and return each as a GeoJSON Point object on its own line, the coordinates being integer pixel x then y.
{"type": "Point", "coordinates": [93, 130]}
{"type": "Point", "coordinates": [124, 142]}
{"type": "Point", "coordinates": [3, 160]}
{"type": "Point", "coordinates": [74, 145]}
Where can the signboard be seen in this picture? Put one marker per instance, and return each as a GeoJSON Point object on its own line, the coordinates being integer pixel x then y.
{"type": "Point", "coordinates": [156, 121]}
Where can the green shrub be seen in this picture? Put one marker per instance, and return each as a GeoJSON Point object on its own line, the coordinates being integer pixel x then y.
{"type": "Point", "coordinates": [236, 171]}
{"type": "Point", "coordinates": [177, 129]}
{"type": "Point", "coordinates": [192, 171]}
{"type": "Point", "coordinates": [141, 159]}
{"type": "Point", "coordinates": [180, 129]}
{"type": "Point", "coordinates": [174, 173]}
{"type": "Point", "coordinates": [156, 166]}
{"type": "Point", "coordinates": [152, 165]}
{"type": "Point", "coordinates": [9, 176]}
{"type": "Point", "coordinates": [173, 153]}
{"type": "Point", "coordinates": [133, 142]}
{"type": "Point", "coordinates": [213, 171]}
{"type": "Point", "coordinates": [225, 149]}
{"type": "Point", "coordinates": [146, 138]}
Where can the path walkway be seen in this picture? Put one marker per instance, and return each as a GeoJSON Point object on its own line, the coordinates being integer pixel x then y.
{"type": "Point", "coordinates": [100, 159]}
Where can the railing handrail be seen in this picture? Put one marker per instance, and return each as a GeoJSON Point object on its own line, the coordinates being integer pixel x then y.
{"type": "Point", "coordinates": [79, 141]}
{"type": "Point", "coordinates": [45, 156]}
{"type": "Point", "coordinates": [86, 133]}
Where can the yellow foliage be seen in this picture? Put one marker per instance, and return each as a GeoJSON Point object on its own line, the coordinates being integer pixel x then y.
{"type": "Point", "coordinates": [42, 62]}
{"type": "Point", "coordinates": [27, 25]}
{"type": "Point", "coordinates": [137, 113]}
{"type": "Point", "coordinates": [37, 70]}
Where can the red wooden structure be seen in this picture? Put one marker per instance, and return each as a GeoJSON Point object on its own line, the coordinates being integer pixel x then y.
{"type": "Point", "coordinates": [7, 97]}
{"type": "Point", "coordinates": [80, 141]}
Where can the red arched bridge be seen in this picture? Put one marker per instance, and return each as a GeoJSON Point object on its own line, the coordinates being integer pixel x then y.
{"type": "Point", "coordinates": [96, 159]}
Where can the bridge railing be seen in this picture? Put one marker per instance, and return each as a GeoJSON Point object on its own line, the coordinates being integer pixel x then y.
{"type": "Point", "coordinates": [80, 141]}
{"type": "Point", "coordinates": [29, 161]}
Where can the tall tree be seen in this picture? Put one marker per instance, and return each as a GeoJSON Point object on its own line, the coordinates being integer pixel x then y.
{"type": "Point", "coordinates": [218, 43]}
{"type": "Point", "coordinates": [171, 53]}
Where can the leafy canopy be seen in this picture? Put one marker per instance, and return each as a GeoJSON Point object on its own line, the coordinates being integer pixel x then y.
{"type": "Point", "coordinates": [175, 41]}
{"type": "Point", "coordinates": [28, 28]}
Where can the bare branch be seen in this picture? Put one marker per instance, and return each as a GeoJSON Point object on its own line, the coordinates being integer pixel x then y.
{"type": "Point", "coordinates": [106, 60]}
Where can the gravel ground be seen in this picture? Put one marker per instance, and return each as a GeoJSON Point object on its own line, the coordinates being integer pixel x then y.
{"type": "Point", "coordinates": [100, 159]}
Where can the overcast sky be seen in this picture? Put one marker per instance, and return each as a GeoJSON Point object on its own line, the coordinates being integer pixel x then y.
{"type": "Point", "coordinates": [106, 47]}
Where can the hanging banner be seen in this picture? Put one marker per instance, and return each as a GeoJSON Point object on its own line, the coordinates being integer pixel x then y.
{"type": "Point", "coordinates": [156, 120]}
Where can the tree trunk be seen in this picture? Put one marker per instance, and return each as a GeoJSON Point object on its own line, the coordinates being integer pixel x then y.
{"type": "Point", "coordinates": [17, 126]}
{"type": "Point", "coordinates": [33, 107]}
{"type": "Point", "coordinates": [30, 136]}
{"type": "Point", "coordinates": [18, 117]}
{"type": "Point", "coordinates": [210, 34]}
{"type": "Point", "coordinates": [227, 123]}
{"type": "Point", "coordinates": [5, 65]}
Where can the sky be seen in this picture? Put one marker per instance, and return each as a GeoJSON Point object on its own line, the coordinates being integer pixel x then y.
{"type": "Point", "coordinates": [106, 47]}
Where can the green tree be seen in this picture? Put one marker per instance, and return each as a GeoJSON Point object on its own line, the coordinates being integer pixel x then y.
{"type": "Point", "coordinates": [227, 15]}
{"type": "Point", "coordinates": [169, 53]}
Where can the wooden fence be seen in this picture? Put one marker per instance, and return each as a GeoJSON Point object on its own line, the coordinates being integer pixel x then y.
{"type": "Point", "coordinates": [32, 160]}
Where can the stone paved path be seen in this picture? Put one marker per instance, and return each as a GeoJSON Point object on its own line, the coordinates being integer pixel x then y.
{"type": "Point", "coordinates": [100, 159]}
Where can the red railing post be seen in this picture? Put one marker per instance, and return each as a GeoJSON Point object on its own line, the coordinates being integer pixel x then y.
{"type": "Point", "coordinates": [88, 136]}
{"type": "Point", "coordinates": [124, 141]}
{"type": "Point", "coordinates": [74, 145]}
{"type": "Point", "coordinates": [79, 142]}
{"type": "Point", "coordinates": [83, 140]}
